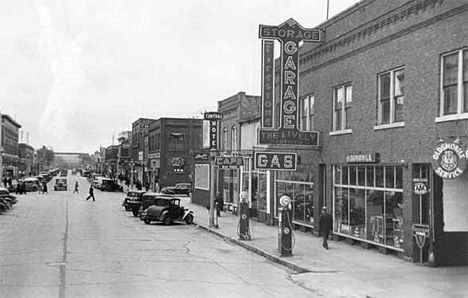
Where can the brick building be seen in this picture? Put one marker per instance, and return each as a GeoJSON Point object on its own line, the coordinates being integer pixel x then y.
{"type": "Point", "coordinates": [9, 142]}
{"type": "Point", "coordinates": [388, 92]}
{"type": "Point", "coordinates": [171, 146]}
{"type": "Point", "coordinates": [139, 142]}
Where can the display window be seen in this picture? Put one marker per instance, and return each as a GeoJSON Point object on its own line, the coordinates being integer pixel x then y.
{"type": "Point", "coordinates": [368, 203]}
{"type": "Point", "coordinates": [258, 186]}
{"type": "Point", "coordinates": [300, 188]}
{"type": "Point", "coordinates": [230, 186]}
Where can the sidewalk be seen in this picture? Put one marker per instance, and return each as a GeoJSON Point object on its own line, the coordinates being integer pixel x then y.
{"type": "Point", "coordinates": [343, 270]}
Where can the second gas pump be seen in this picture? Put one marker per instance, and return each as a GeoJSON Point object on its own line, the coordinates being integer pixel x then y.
{"type": "Point", "coordinates": [285, 232]}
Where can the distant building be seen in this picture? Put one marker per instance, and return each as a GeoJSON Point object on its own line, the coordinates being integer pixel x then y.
{"type": "Point", "coordinates": [139, 143]}
{"type": "Point", "coordinates": [26, 159]}
{"type": "Point", "coordinates": [9, 143]}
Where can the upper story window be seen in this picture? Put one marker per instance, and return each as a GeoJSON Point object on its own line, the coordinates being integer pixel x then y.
{"type": "Point", "coordinates": [176, 142]}
{"type": "Point", "coordinates": [391, 96]}
{"type": "Point", "coordinates": [234, 138]}
{"type": "Point", "coordinates": [225, 139]}
{"type": "Point", "coordinates": [342, 99]}
{"type": "Point", "coordinates": [307, 113]}
{"type": "Point", "coordinates": [454, 86]}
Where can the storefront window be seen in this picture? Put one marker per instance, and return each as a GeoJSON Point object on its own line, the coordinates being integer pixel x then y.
{"type": "Point", "coordinates": [370, 211]}
{"type": "Point", "coordinates": [299, 187]}
{"type": "Point", "coordinates": [258, 187]}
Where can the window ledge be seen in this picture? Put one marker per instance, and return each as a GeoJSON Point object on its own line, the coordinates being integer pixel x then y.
{"type": "Point", "coordinates": [390, 125]}
{"type": "Point", "coordinates": [341, 132]}
{"type": "Point", "coordinates": [451, 117]}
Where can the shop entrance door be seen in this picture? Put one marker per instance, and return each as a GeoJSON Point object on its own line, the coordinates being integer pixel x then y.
{"type": "Point", "coordinates": [421, 203]}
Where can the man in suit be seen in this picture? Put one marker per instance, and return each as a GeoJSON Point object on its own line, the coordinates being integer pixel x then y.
{"type": "Point", "coordinates": [91, 193]}
{"type": "Point", "coordinates": [325, 225]}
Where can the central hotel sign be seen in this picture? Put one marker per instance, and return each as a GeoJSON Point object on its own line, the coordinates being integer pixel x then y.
{"type": "Point", "coordinates": [289, 34]}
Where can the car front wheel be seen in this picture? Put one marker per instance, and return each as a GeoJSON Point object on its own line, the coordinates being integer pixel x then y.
{"type": "Point", "coordinates": [135, 213]}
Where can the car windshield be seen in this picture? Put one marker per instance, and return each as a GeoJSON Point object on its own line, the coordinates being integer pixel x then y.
{"type": "Point", "coordinates": [61, 181]}
{"type": "Point", "coordinates": [132, 194]}
{"type": "Point", "coordinates": [161, 202]}
{"type": "Point", "coordinates": [3, 192]}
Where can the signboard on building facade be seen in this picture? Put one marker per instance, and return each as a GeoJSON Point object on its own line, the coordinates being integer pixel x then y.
{"type": "Point", "coordinates": [449, 160]}
{"type": "Point", "coordinates": [275, 161]}
{"type": "Point", "coordinates": [289, 34]}
{"type": "Point", "coordinates": [368, 157]}
{"type": "Point", "coordinates": [210, 129]}
{"type": "Point", "coordinates": [420, 233]}
{"type": "Point", "coordinates": [268, 83]}
{"type": "Point", "coordinates": [229, 161]}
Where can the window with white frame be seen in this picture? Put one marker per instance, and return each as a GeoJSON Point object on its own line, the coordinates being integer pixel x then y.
{"type": "Point", "coordinates": [454, 93]}
{"type": "Point", "coordinates": [342, 99]}
{"type": "Point", "coordinates": [307, 113]}
{"type": "Point", "coordinates": [225, 139]}
{"type": "Point", "coordinates": [391, 96]}
{"type": "Point", "coordinates": [234, 138]}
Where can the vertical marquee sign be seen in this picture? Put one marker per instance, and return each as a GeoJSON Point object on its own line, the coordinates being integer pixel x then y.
{"type": "Point", "coordinates": [268, 83]}
{"type": "Point", "coordinates": [289, 34]}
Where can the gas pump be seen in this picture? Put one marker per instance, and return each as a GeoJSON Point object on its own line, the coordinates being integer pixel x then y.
{"type": "Point", "coordinates": [285, 234]}
{"type": "Point", "coordinates": [243, 227]}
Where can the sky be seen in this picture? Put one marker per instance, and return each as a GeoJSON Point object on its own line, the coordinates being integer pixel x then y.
{"type": "Point", "coordinates": [75, 73]}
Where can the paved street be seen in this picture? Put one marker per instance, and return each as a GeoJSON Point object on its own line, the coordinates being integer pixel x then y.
{"type": "Point", "coordinates": [59, 245]}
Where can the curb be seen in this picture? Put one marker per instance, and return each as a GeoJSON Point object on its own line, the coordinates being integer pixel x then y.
{"type": "Point", "coordinates": [256, 250]}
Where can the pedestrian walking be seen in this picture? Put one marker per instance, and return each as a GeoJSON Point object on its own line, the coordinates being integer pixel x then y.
{"type": "Point", "coordinates": [325, 225]}
{"type": "Point", "coordinates": [44, 188]}
{"type": "Point", "coordinates": [76, 190]}
{"type": "Point", "coordinates": [91, 193]}
{"type": "Point", "coordinates": [23, 188]}
{"type": "Point", "coordinates": [5, 182]}
{"type": "Point", "coordinates": [219, 204]}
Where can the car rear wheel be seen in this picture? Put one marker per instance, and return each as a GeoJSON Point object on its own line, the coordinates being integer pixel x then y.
{"type": "Point", "coordinates": [128, 208]}
{"type": "Point", "coordinates": [166, 220]}
{"type": "Point", "coordinates": [189, 219]}
{"type": "Point", "coordinates": [147, 221]}
{"type": "Point", "coordinates": [135, 213]}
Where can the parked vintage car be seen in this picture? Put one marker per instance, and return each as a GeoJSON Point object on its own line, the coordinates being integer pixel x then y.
{"type": "Point", "coordinates": [164, 208]}
{"type": "Point", "coordinates": [132, 201]}
{"type": "Point", "coordinates": [61, 184]}
{"type": "Point", "coordinates": [178, 189]}
{"type": "Point", "coordinates": [6, 199]}
{"type": "Point", "coordinates": [107, 184]}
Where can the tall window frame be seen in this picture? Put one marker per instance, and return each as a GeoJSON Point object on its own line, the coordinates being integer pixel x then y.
{"type": "Point", "coordinates": [225, 139]}
{"type": "Point", "coordinates": [342, 102]}
{"type": "Point", "coordinates": [307, 113]}
{"type": "Point", "coordinates": [391, 97]}
{"type": "Point", "coordinates": [234, 138]}
{"type": "Point", "coordinates": [453, 103]}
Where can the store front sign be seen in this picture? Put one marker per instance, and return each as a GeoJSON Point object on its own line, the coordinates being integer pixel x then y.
{"type": "Point", "coordinates": [268, 83]}
{"type": "Point", "coordinates": [449, 160]}
{"type": "Point", "coordinates": [275, 161]}
{"type": "Point", "coordinates": [229, 161]}
{"type": "Point", "coordinates": [420, 188]}
{"type": "Point", "coordinates": [420, 233]}
{"type": "Point", "coordinates": [154, 155]}
{"type": "Point", "coordinates": [289, 34]}
{"type": "Point", "coordinates": [369, 157]}
{"type": "Point", "coordinates": [201, 156]}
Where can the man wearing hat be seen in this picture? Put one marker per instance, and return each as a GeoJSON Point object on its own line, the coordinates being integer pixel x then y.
{"type": "Point", "coordinates": [325, 225]}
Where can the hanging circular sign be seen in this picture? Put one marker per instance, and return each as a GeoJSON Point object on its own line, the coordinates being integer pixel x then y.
{"type": "Point", "coordinates": [449, 160]}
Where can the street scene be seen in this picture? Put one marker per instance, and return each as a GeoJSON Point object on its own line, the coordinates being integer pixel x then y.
{"type": "Point", "coordinates": [60, 245]}
{"type": "Point", "coordinates": [234, 148]}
